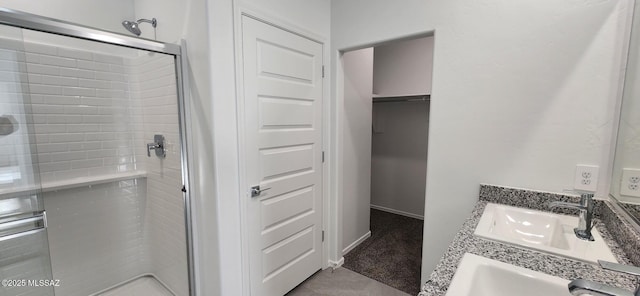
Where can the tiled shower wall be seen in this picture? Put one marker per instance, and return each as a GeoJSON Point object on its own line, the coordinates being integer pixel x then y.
{"type": "Point", "coordinates": [93, 115]}
{"type": "Point", "coordinates": [82, 117]}
{"type": "Point", "coordinates": [81, 112]}
{"type": "Point", "coordinates": [96, 235]}
{"type": "Point", "coordinates": [153, 87]}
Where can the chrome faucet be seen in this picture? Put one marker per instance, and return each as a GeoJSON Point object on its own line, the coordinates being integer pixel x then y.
{"type": "Point", "coordinates": [580, 286]}
{"type": "Point", "coordinates": [583, 231]}
{"type": "Point", "coordinates": [158, 146]}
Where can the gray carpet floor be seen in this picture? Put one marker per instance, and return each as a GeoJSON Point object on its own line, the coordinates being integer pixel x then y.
{"type": "Point", "coordinates": [393, 253]}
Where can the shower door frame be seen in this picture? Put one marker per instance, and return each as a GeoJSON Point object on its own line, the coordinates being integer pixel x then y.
{"type": "Point", "coordinates": [34, 22]}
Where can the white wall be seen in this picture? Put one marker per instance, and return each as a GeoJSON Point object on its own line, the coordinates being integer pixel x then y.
{"type": "Point", "coordinates": [106, 15]}
{"type": "Point", "coordinates": [399, 156]}
{"type": "Point", "coordinates": [522, 92]}
{"type": "Point", "coordinates": [358, 73]}
{"type": "Point", "coordinates": [170, 15]}
{"type": "Point", "coordinates": [310, 15]}
{"type": "Point", "coordinates": [403, 67]}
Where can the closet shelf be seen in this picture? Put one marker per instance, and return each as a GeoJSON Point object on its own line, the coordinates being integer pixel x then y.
{"type": "Point", "coordinates": [407, 98]}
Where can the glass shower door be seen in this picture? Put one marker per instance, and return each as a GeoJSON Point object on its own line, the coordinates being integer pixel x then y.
{"type": "Point", "coordinates": [90, 132]}
{"type": "Point", "coordinates": [25, 265]}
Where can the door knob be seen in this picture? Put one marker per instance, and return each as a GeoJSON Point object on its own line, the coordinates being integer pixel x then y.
{"type": "Point", "coordinates": [256, 191]}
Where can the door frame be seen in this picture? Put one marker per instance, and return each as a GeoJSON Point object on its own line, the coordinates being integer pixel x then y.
{"type": "Point", "coordinates": [242, 9]}
{"type": "Point", "coordinates": [338, 118]}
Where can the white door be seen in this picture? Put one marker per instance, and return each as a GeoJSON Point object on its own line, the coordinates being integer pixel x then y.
{"type": "Point", "coordinates": [283, 140]}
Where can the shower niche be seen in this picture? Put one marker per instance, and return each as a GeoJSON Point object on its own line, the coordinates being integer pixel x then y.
{"type": "Point", "coordinates": [81, 203]}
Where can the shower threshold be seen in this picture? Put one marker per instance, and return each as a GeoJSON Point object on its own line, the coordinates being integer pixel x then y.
{"type": "Point", "coordinates": [146, 284]}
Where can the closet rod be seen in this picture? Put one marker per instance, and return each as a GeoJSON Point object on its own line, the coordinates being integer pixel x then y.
{"type": "Point", "coordinates": [419, 98]}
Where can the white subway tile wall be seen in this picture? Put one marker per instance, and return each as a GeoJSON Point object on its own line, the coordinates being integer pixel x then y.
{"type": "Point", "coordinates": [154, 87]}
{"type": "Point", "coordinates": [96, 235]}
{"type": "Point", "coordinates": [82, 112]}
{"type": "Point", "coordinates": [92, 114]}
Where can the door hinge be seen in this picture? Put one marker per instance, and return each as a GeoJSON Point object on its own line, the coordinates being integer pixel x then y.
{"type": "Point", "coordinates": [323, 235]}
{"type": "Point", "coordinates": [322, 156]}
{"type": "Point", "coordinates": [322, 71]}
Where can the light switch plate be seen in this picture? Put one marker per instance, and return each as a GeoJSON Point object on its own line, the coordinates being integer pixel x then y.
{"type": "Point", "coordinates": [630, 183]}
{"type": "Point", "coordinates": [586, 178]}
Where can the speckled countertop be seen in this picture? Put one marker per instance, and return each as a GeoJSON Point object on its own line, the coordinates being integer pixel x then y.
{"type": "Point", "coordinates": [466, 242]}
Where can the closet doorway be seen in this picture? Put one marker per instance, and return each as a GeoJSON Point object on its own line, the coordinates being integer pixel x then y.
{"type": "Point", "coordinates": [386, 109]}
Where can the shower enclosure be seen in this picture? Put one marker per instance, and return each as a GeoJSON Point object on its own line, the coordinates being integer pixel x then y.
{"type": "Point", "coordinates": [93, 164]}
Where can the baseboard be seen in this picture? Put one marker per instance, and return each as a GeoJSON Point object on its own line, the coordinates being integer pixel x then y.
{"type": "Point", "coordinates": [356, 243]}
{"type": "Point", "coordinates": [336, 264]}
{"type": "Point", "coordinates": [398, 212]}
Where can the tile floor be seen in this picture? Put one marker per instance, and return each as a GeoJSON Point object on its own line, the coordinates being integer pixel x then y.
{"type": "Point", "coordinates": [343, 282]}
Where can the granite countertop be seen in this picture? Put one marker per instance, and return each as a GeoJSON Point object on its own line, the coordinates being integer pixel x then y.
{"type": "Point", "coordinates": [569, 269]}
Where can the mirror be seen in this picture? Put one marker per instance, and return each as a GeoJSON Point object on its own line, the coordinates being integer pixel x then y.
{"type": "Point", "coordinates": [625, 181]}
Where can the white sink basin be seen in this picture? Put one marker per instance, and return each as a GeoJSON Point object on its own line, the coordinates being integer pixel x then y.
{"type": "Point", "coordinates": [479, 276]}
{"type": "Point", "coordinates": [542, 231]}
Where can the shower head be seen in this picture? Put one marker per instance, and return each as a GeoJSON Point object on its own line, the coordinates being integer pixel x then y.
{"type": "Point", "coordinates": [134, 27]}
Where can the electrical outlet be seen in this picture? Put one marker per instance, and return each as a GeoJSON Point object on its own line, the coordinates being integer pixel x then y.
{"type": "Point", "coordinates": [586, 177]}
{"type": "Point", "coordinates": [630, 183]}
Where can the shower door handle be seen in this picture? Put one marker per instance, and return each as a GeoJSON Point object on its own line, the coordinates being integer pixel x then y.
{"type": "Point", "coordinates": [17, 226]}
{"type": "Point", "coordinates": [158, 146]}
